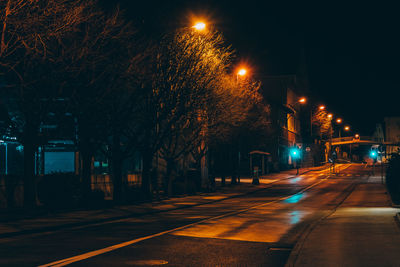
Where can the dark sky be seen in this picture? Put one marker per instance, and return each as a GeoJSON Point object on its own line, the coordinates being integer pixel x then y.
{"type": "Point", "coordinates": [351, 50]}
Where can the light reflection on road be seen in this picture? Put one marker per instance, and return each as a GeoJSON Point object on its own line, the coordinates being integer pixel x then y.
{"type": "Point", "coordinates": [294, 199]}
{"type": "Point", "coordinates": [295, 217]}
{"type": "Point", "coordinates": [295, 180]}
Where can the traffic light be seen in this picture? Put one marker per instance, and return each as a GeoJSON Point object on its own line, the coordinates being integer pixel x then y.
{"type": "Point", "coordinates": [373, 155]}
{"type": "Point", "coordinates": [295, 152]}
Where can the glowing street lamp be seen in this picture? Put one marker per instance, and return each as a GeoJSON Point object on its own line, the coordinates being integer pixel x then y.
{"type": "Point", "coordinates": [242, 72]}
{"type": "Point", "coordinates": [322, 107]}
{"type": "Point", "coordinates": [330, 116]}
{"type": "Point", "coordinates": [347, 128]}
{"type": "Point", "coordinates": [302, 100]}
{"type": "Point", "coordinates": [339, 121]}
{"type": "Point", "coordinates": [199, 26]}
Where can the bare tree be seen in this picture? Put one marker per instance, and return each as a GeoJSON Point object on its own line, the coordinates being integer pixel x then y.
{"type": "Point", "coordinates": [97, 63]}
{"type": "Point", "coordinates": [322, 123]}
{"type": "Point", "coordinates": [188, 70]}
{"type": "Point", "coordinates": [31, 33]}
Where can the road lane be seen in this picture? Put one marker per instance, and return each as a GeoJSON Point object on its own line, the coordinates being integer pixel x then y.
{"type": "Point", "coordinates": [362, 231]}
{"type": "Point", "coordinates": [277, 223]}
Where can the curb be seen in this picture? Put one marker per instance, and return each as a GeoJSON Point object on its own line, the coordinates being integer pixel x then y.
{"type": "Point", "coordinates": [294, 254]}
{"type": "Point", "coordinates": [391, 200]}
{"type": "Point", "coordinates": [397, 219]}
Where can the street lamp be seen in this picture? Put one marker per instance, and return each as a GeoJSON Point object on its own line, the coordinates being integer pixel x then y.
{"type": "Point", "coordinates": [322, 107]}
{"type": "Point", "coordinates": [199, 26]}
{"type": "Point", "coordinates": [302, 100]}
{"type": "Point", "coordinates": [347, 128]}
{"type": "Point", "coordinates": [330, 116]}
{"type": "Point", "coordinates": [339, 121]}
{"type": "Point", "coordinates": [242, 72]}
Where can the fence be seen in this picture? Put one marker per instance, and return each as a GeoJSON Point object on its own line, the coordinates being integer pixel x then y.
{"type": "Point", "coordinates": [11, 191]}
{"type": "Point", "coordinates": [12, 187]}
{"type": "Point", "coordinates": [103, 182]}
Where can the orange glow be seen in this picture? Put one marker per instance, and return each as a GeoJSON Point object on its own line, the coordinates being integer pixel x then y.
{"type": "Point", "coordinates": [242, 72]}
{"type": "Point", "coordinates": [302, 100]}
{"type": "Point", "coordinates": [322, 107]}
{"type": "Point", "coordinates": [347, 128]}
{"type": "Point", "coordinates": [339, 120]}
{"type": "Point", "coordinates": [200, 26]}
{"type": "Point", "coordinates": [330, 116]}
{"type": "Point", "coordinates": [357, 135]}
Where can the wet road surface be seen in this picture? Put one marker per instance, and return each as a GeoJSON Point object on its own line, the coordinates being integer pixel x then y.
{"type": "Point", "coordinates": [257, 229]}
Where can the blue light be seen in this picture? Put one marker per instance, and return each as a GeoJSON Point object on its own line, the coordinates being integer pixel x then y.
{"type": "Point", "coordinates": [295, 217]}
{"type": "Point", "coordinates": [373, 154]}
{"type": "Point", "coordinates": [294, 199]}
{"type": "Point", "coordinates": [295, 152]}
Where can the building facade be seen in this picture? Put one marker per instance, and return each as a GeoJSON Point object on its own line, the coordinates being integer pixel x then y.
{"type": "Point", "coordinates": [392, 133]}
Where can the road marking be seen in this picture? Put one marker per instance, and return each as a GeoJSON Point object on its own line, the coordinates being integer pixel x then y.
{"type": "Point", "coordinates": [94, 253]}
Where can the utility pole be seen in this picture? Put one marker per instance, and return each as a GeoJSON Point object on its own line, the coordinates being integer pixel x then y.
{"type": "Point", "coordinates": [373, 165]}
{"type": "Point", "coordinates": [311, 123]}
{"type": "Point", "coordinates": [350, 153]}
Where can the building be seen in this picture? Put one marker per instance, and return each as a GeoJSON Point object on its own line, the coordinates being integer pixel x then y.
{"type": "Point", "coordinates": [392, 133]}
{"type": "Point", "coordinates": [283, 94]}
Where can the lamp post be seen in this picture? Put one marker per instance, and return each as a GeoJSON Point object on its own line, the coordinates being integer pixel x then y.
{"type": "Point", "coordinates": [347, 129]}
{"type": "Point", "coordinates": [330, 116]}
{"type": "Point", "coordinates": [241, 72]}
{"type": "Point", "coordinates": [200, 26]}
{"type": "Point", "coordinates": [339, 121]}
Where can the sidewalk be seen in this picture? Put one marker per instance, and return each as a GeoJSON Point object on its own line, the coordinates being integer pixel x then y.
{"type": "Point", "coordinates": [50, 222]}
{"type": "Point", "coordinates": [363, 231]}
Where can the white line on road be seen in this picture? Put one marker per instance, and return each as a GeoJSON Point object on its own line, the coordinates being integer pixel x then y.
{"type": "Point", "coordinates": [94, 253]}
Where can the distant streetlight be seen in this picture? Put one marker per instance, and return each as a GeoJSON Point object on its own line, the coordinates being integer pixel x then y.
{"type": "Point", "coordinates": [302, 100]}
{"type": "Point", "coordinates": [357, 136]}
{"type": "Point", "coordinates": [347, 128]}
{"type": "Point", "coordinates": [330, 115]}
{"type": "Point", "coordinates": [199, 26]}
{"type": "Point", "coordinates": [322, 107]}
{"type": "Point", "coordinates": [339, 121]}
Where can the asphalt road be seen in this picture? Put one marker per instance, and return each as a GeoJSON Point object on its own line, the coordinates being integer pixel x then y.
{"type": "Point", "coordinates": [257, 229]}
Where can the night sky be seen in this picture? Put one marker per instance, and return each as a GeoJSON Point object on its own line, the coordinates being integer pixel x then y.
{"type": "Point", "coordinates": [351, 50]}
